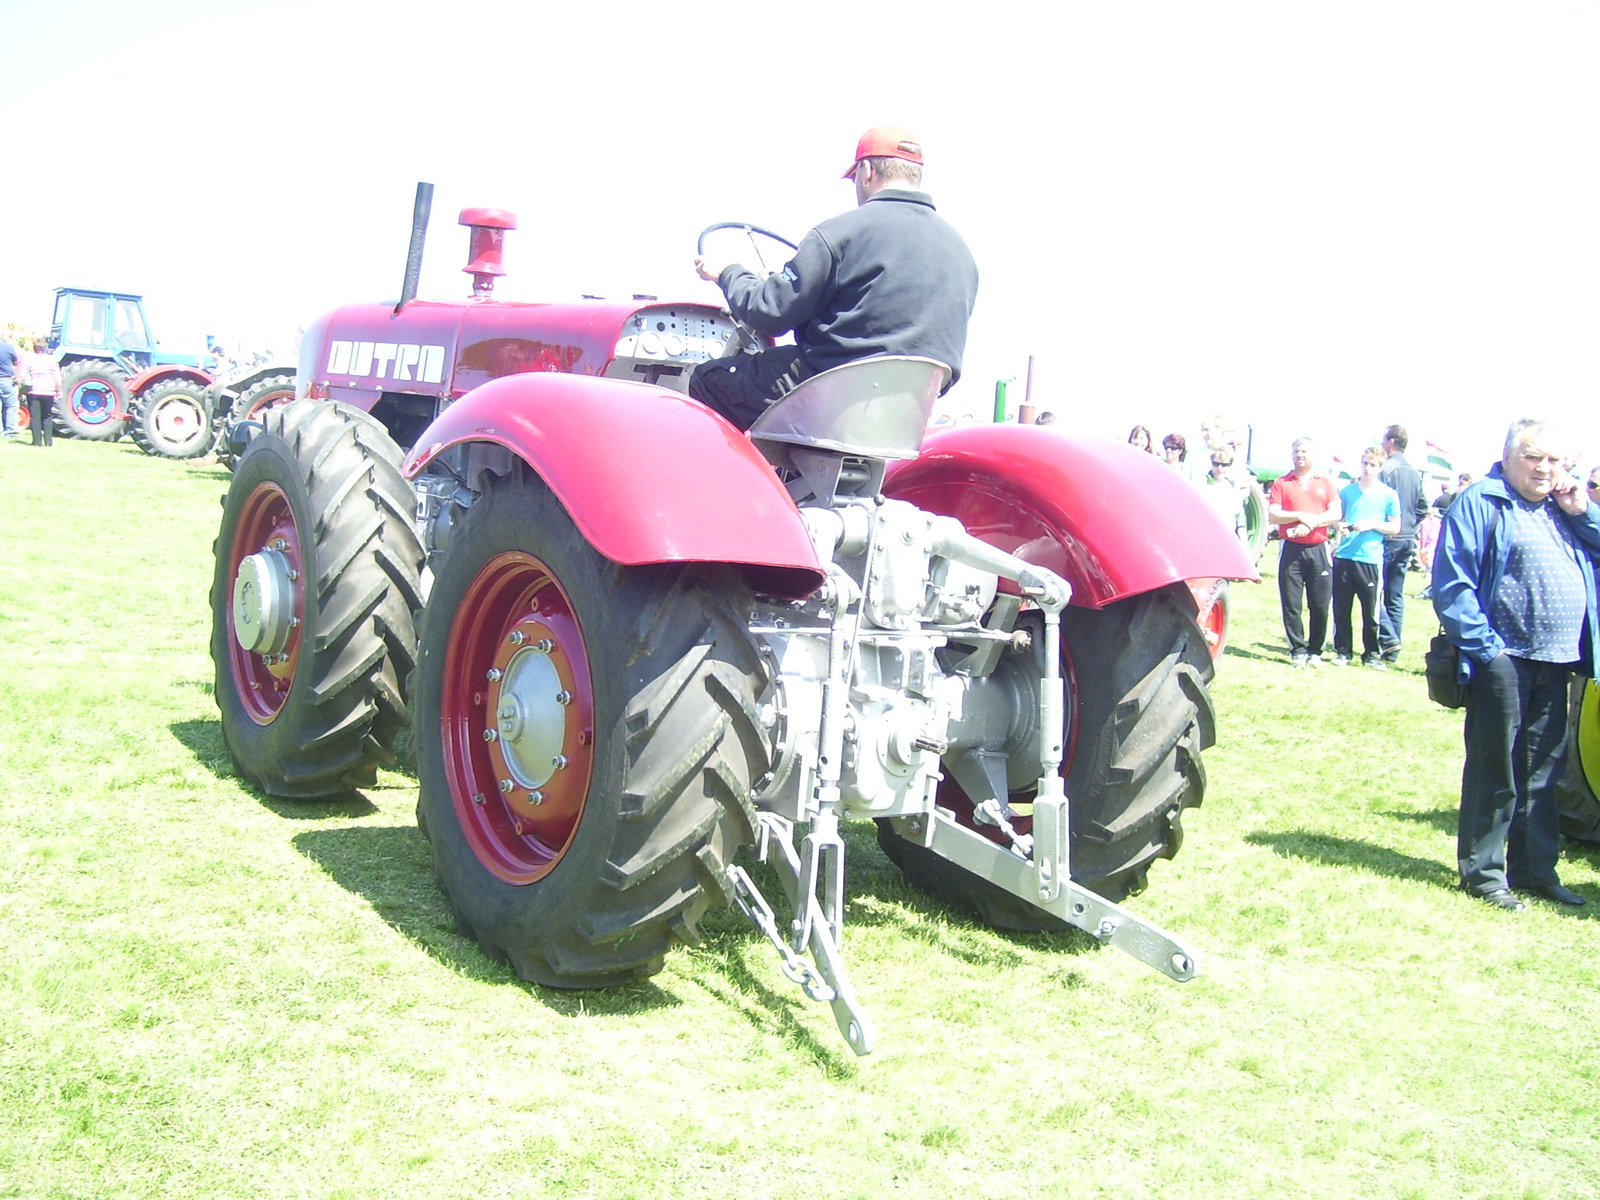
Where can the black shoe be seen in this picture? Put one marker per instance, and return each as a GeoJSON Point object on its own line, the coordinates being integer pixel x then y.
{"type": "Point", "coordinates": [1558, 893]}
{"type": "Point", "coordinates": [1503, 899]}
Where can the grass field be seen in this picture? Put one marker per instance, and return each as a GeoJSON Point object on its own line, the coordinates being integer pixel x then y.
{"type": "Point", "coordinates": [208, 993]}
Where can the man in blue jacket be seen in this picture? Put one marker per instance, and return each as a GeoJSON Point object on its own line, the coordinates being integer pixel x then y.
{"type": "Point", "coordinates": [889, 277]}
{"type": "Point", "coordinates": [1514, 587]}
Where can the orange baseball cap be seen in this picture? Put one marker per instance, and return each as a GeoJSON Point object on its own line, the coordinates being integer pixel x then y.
{"type": "Point", "coordinates": [886, 141]}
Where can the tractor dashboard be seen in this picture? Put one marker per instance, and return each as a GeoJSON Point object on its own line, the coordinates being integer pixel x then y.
{"type": "Point", "coordinates": [662, 344]}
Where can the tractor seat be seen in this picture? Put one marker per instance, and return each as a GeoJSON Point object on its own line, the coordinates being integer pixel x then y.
{"type": "Point", "coordinates": [872, 408]}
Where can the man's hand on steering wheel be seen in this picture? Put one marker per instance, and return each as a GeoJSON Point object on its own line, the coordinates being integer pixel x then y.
{"type": "Point", "coordinates": [710, 268]}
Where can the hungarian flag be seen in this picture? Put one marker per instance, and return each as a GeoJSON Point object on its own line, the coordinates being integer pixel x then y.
{"type": "Point", "coordinates": [1439, 460]}
{"type": "Point", "coordinates": [1339, 471]}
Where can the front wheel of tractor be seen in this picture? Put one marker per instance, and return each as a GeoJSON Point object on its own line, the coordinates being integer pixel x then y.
{"type": "Point", "coordinates": [314, 602]}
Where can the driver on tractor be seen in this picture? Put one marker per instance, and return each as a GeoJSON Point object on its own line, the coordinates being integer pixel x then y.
{"type": "Point", "coordinates": [891, 277]}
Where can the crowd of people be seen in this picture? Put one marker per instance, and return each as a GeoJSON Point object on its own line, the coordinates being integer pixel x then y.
{"type": "Point", "coordinates": [1212, 473]}
{"type": "Point", "coordinates": [1511, 561]}
{"type": "Point", "coordinates": [1343, 545]}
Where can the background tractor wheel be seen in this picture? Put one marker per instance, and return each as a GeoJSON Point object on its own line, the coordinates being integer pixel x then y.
{"type": "Point", "coordinates": [171, 420]}
{"type": "Point", "coordinates": [1139, 714]}
{"type": "Point", "coordinates": [93, 401]}
{"type": "Point", "coordinates": [585, 745]}
{"type": "Point", "coordinates": [1580, 787]}
{"type": "Point", "coordinates": [1256, 526]}
{"type": "Point", "coordinates": [314, 602]}
{"type": "Point", "coordinates": [253, 403]}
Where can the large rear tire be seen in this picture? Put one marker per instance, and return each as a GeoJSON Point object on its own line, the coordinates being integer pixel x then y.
{"type": "Point", "coordinates": [585, 744]}
{"type": "Point", "coordinates": [94, 400]}
{"type": "Point", "coordinates": [314, 602]}
{"type": "Point", "coordinates": [172, 420]}
{"type": "Point", "coordinates": [1139, 715]}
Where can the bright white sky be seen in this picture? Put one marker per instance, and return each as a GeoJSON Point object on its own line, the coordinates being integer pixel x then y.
{"type": "Point", "coordinates": [1314, 217]}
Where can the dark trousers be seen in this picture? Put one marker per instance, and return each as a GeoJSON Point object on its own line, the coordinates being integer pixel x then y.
{"type": "Point", "coordinates": [1351, 581]}
{"type": "Point", "coordinates": [41, 419]}
{"type": "Point", "coordinates": [1396, 554]}
{"type": "Point", "coordinates": [1304, 574]}
{"type": "Point", "coordinates": [743, 386]}
{"type": "Point", "coordinates": [1516, 736]}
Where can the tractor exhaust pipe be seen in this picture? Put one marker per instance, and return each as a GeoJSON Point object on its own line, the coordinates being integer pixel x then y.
{"type": "Point", "coordinates": [419, 233]}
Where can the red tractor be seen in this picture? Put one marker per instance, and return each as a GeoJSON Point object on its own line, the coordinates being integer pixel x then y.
{"type": "Point", "coordinates": [636, 645]}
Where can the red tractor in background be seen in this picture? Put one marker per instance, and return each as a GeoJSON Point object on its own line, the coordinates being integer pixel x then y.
{"type": "Point", "coordinates": [639, 644]}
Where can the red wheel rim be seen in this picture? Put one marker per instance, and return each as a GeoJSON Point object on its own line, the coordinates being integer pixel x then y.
{"type": "Point", "coordinates": [274, 399]}
{"type": "Point", "coordinates": [517, 718]}
{"type": "Point", "coordinates": [1215, 628]}
{"type": "Point", "coordinates": [263, 681]}
{"type": "Point", "coordinates": [1211, 606]}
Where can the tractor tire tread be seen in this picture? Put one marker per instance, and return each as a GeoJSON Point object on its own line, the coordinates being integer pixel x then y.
{"type": "Point", "coordinates": [360, 646]}
{"type": "Point", "coordinates": [683, 741]}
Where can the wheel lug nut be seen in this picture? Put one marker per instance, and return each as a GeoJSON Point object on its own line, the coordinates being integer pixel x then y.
{"type": "Point", "coordinates": [559, 762]}
{"type": "Point", "coordinates": [506, 785]}
{"type": "Point", "coordinates": [494, 675]}
{"type": "Point", "coordinates": [278, 544]}
{"type": "Point", "coordinates": [490, 735]}
{"type": "Point", "coordinates": [544, 645]}
{"type": "Point", "coordinates": [536, 797]}
{"type": "Point", "coordinates": [563, 697]}
{"type": "Point", "coordinates": [518, 637]}
{"type": "Point", "coordinates": [477, 797]}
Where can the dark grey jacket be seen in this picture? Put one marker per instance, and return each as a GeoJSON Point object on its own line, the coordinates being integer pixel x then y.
{"type": "Point", "coordinates": [1406, 480]}
{"type": "Point", "coordinates": [889, 277]}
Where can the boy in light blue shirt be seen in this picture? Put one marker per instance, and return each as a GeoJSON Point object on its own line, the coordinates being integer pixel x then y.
{"type": "Point", "coordinates": [1370, 509]}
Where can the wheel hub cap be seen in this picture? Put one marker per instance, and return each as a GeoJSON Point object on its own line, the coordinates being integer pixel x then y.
{"type": "Point", "coordinates": [531, 720]}
{"type": "Point", "coordinates": [263, 602]}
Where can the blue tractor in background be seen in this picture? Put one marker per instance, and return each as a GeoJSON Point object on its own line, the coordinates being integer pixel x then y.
{"type": "Point", "coordinates": [115, 379]}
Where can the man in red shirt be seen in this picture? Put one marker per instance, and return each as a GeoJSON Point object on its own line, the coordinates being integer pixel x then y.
{"type": "Point", "coordinates": [1303, 504]}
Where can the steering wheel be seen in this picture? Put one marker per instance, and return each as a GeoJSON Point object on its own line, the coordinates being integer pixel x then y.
{"type": "Point", "coordinates": [749, 339]}
{"type": "Point", "coordinates": [750, 231]}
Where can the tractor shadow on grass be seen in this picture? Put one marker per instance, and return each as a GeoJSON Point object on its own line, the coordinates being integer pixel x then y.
{"type": "Point", "coordinates": [1348, 852]}
{"type": "Point", "coordinates": [739, 968]}
{"type": "Point", "coordinates": [203, 739]}
{"type": "Point", "coordinates": [388, 867]}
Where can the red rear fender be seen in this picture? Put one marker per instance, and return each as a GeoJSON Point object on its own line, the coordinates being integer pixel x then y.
{"type": "Point", "coordinates": [144, 379]}
{"type": "Point", "coordinates": [1115, 522]}
{"type": "Point", "coordinates": [647, 475]}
